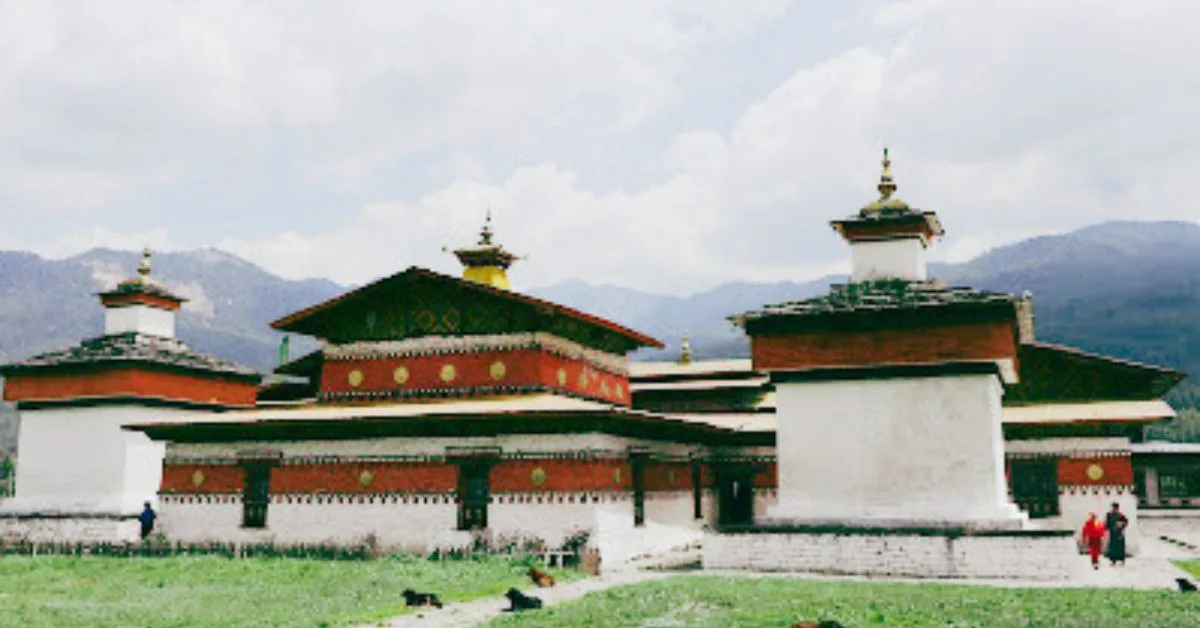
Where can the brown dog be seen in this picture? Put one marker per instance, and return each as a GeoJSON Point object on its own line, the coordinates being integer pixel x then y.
{"type": "Point", "coordinates": [541, 578]}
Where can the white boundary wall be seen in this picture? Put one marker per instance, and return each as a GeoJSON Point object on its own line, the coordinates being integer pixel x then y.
{"type": "Point", "coordinates": [1011, 555]}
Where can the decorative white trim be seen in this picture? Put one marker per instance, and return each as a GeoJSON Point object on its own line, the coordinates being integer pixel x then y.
{"type": "Point", "coordinates": [1094, 489]}
{"type": "Point", "coordinates": [447, 345]}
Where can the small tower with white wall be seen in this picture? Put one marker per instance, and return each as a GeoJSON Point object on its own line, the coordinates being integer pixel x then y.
{"type": "Point", "coordinates": [889, 387]}
{"type": "Point", "coordinates": [80, 476]}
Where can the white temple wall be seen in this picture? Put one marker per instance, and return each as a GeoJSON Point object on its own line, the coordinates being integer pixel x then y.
{"type": "Point", "coordinates": [404, 525]}
{"type": "Point", "coordinates": [668, 524]}
{"type": "Point", "coordinates": [888, 259]}
{"type": "Point", "coordinates": [139, 318]}
{"type": "Point", "coordinates": [424, 526]}
{"type": "Point", "coordinates": [922, 450]}
{"type": "Point", "coordinates": [79, 460]}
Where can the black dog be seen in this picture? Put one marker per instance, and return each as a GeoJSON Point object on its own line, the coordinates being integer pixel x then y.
{"type": "Point", "coordinates": [1185, 585]}
{"type": "Point", "coordinates": [521, 602]}
{"type": "Point", "coordinates": [412, 598]}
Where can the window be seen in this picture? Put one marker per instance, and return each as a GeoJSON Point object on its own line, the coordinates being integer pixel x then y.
{"type": "Point", "coordinates": [1034, 484]}
{"type": "Point", "coordinates": [1178, 483]}
{"type": "Point", "coordinates": [257, 494]}
{"type": "Point", "coordinates": [473, 494]}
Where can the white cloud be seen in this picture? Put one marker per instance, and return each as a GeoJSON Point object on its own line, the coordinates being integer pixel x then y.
{"type": "Point", "coordinates": [1009, 119]}
{"type": "Point", "coordinates": [121, 96]}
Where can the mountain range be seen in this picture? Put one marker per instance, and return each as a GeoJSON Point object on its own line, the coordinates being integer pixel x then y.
{"type": "Point", "coordinates": [1128, 289]}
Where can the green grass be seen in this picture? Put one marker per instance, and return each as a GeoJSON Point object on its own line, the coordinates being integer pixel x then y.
{"type": "Point", "coordinates": [211, 591]}
{"type": "Point", "coordinates": [1190, 566]}
{"type": "Point", "coordinates": [701, 601]}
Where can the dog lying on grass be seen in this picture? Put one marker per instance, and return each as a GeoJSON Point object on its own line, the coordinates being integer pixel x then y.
{"type": "Point", "coordinates": [1185, 585]}
{"type": "Point", "coordinates": [541, 578]}
{"type": "Point", "coordinates": [412, 598]}
{"type": "Point", "coordinates": [828, 623]}
{"type": "Point", "coordinates": [521, 602]}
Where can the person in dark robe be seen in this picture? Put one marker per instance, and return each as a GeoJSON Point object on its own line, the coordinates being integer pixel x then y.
{"type": "Point", "coordinates": [1093, 537]}
{"type": "Point", "coordinates": [1116, 522]}
{"type": "Point", "coordinates": [147, 520]}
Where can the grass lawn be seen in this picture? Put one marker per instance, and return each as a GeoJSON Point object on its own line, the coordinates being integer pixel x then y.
{"type": "Point", "coordinates": [1190, 566]}
{"type": "Point", "coordinates": [212, 591]}
{"type": "Point", "coordinates": [779, 602]}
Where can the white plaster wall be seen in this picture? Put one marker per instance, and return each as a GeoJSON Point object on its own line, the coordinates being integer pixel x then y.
{"type": "Point", "coordinates": [423, 526]}
{"type": "Point", "coordinates": [395, 524]}
{"type": "Point", "coordinates": [139, 318]}
{"type": "Point", "coordinates": [79, 460]}
{"type": "Point", "coordinates": [925, 450]}
{"type": "Point", "coordinates": [550, 522]}
{"type": "Point", "coordinates": [888, 259]}
{"type": "Point", "coordinates": [1009, 556]}
{"type": "Point", "coordinates": [668, 524]}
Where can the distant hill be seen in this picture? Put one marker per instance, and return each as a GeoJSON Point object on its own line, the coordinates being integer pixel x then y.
{"type": "Point", "coordinates": [1128, 289]}
{"type": "Point", "coordinates": [51, 304]}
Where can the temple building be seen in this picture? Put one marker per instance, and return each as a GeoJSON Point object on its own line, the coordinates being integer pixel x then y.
{"type": "Point", "coordinates": [80, 474]}
{"type": "Point", "coordinates": [441, 407]}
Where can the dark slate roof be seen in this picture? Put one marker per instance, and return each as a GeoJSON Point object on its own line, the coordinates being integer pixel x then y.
{"type": "Point", "coordinates": [1054, 373]}
{"type": "Point", "coordinates": [307, 321]}
{"type": "Point", "coordinates": [141, 285]}
{"type": "Point", "coordinates": [879, 296]}
{"type": "Point", "coordinates": [117, 349]}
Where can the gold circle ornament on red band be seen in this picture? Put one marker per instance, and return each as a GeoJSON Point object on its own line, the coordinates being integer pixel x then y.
{"type": "Point", "coordinates": [538, 476]}
{"type": "Point", "coordinates": [366, 478]}
{"type": "Point", "coordinates": [562, 377]}
{"type": "Point", "coordinates": [1095, 472]}
{"type": "Point", "coordinates": [448, 373]}
{"type": "Point", "coordinates": [198, 478]}
{"type": "Point", "coordinates": [355, 378]}
{"type": "Point", "coordinates": [400, 375]}
{"type": "Point", "coordinates": [497, 370]}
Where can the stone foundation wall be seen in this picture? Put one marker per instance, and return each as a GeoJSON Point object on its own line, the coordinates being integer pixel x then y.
{"type": "Point", "coordinates": [64, 529]}
{"type": "Point", "coordinates": [1022, 555]}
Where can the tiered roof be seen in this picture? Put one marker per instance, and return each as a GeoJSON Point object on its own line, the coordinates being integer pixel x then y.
{"type": "Point", "coordinates": [131, 349]}
{"type": "Point", "coordinates": [886, 298]}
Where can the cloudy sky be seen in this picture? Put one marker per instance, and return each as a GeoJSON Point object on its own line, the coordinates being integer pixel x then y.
{"type": "Point", "coordinates": [666, 145]}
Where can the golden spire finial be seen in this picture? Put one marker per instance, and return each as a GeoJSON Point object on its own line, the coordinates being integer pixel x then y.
{"type": "Point", "coordinates": [485, 235]}
{"type": "Point", "coordinates": [685, 351]}
{"type": "Point", "coordinates": [144, 267]}
{"type": "Point", "coordinates": [887, 186]}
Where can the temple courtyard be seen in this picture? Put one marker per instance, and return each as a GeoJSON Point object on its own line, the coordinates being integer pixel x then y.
{"type": "Point", "coordinates": [209, 591]}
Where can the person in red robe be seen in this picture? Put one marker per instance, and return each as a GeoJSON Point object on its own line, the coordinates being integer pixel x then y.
{"type": "Point", "coordinates": [1093, 536]}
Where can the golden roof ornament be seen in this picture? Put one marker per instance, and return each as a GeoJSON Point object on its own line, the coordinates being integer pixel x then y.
{"type": "Point", "coordinates": [685, 351]}
{"type": "Point", "coordinates": [486, 262]}
{"type": "Point", "coordinates": [887, 187]}
{"type": "Point", "coordinates": [144, 266]}
{"type": "Point", "coordinates": [485, 234]}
